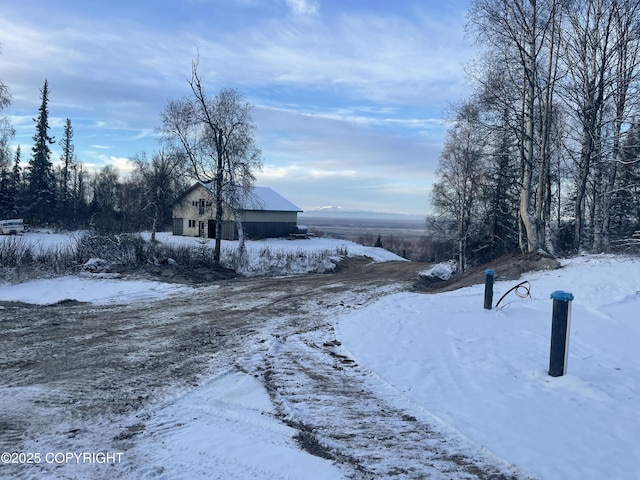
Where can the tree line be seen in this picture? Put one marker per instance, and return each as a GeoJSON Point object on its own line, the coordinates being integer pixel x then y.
{"type": "Point", "coordinates": [201, 137]}
{"type": "Point", "coordinates": [67, 196]}
{"type": "Point", "coordinates": [544, 154]}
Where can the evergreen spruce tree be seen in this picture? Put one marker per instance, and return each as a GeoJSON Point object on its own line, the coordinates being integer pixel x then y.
{"type": "Point", "coordinates": [41, 186]}
{"type": "Point", "coordinates": [5, 178]}
{"type": "Point", "coordinates": [65, 192]}
{"type": "Point", "coordinates": [79, 207]}
{"type": "Point", "coordinates": [17, 184]}
{"type": "Point", "coordinates": [10, 188]}
{"type": "Point", "coordinates": [6, 175]}
{"type": "Point", "coordinates": [5, 192]}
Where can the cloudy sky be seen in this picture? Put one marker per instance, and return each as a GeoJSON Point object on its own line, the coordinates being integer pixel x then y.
{"type": "Point", "coordinates": [349, 96]}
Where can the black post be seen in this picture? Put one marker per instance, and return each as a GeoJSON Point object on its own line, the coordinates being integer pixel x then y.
{"type": "Point", "coordinates": [488, 288]}
{"type": "Point", "coordinates": [560, 327]}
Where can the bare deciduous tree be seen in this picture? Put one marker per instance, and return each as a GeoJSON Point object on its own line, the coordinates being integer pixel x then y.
{"type": "Point", "coordinates": [523, 34]}
{"type": "Point", "coordinates": [160, 179]}
{"type": "Point", "coordinates": [7, 183]}
{"type": "Point", "coordinates": [105, 188]}
{"type": "Point", "coordinates": [457, 193]}
{"type": "Point", "coordinates": [216, 136]}
{"type": "Point", "coordinates": [557, 83]}
{"type": "Point", "coordinates": [588, 40]}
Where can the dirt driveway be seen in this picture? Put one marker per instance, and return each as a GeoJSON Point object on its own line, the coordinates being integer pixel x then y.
{"type": "Point", "coordinates": [73, 374]}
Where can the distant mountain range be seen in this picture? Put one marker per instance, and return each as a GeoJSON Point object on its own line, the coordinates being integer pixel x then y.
{"type": "Point", "coordinates": [340, 212]}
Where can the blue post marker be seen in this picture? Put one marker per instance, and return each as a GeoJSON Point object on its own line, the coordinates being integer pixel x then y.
{"type": "Point", "coordinates": [560, 327]}
{"type": "Point", "coordinates": [488, 288]}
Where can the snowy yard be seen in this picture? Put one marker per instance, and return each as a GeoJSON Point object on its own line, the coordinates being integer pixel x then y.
{"type": "Point", "coordinates": [441, 358]}
{"type": "Point", "coordinates": [485, 372]}
{"type": "Point", "coordinates": [315, 254]}
{"type": "Point", "coordinates": [268, 257]}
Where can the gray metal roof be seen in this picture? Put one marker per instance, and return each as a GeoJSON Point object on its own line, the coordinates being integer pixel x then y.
{"type": "Point", "coordinates": [263, 198]}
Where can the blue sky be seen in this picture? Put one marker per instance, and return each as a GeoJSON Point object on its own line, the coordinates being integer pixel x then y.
{"type": "Point", "coordinates": [349, 96]}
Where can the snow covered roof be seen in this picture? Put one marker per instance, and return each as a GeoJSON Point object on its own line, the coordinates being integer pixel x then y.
{"type": "Point", "coordinates": [263, 198]}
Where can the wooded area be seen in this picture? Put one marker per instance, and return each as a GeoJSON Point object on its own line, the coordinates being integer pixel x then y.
{"type": "Point", "coordinates": [202, 138]}
{"type": "Point", "coordinates": [68, 196]}
{"type": "Point", "coordinates": [544, 154]}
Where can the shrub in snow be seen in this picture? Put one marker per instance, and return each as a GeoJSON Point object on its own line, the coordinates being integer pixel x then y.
{"type": "Point", "coordinates": [270, 261]}
{"type": "Point", "coordinates": [162, 259]}
{"type": "Point", "coordinates": [96, 265]}
{"type": "Point", "coordinates": [13, 251]}
{"type": "Point", "coordinates": [28, 260]}
{"type": "Point", "coordinates": [128, 249]}
{"type": "Point", "coordinates": [93, 254]}
{"type": "Point", "coordinates": [441, 271]}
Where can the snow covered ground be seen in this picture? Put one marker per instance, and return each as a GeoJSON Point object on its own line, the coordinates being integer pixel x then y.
{"type": "Point", "coordinates": [43, 240]}
{"type": "Point", "coordinates": [311, 244]}
{"type": "Point", "coordinates": [480, 372]}
{"type": "Point", "coordinates": [280, 256]}
{"type": "Point", "coordinates": [484, 372]}
{"type": "Point", "coordinates": [87, 288]}
{"type": "Point", "coordinates": [100, 290]}
{"type": "Point", "coordinates": [269, 257]}
{"type": "Point", "coordinates": [225, 429]}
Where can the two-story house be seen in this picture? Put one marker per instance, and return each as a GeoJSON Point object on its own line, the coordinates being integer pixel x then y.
{"type": "Point", "coordinates": [264, 214]}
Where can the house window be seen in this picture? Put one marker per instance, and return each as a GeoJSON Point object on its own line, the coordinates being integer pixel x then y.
{"type": "Point", "coordinates": [201, 210]}
{"type": "Point", "coordinates": [192, 224]}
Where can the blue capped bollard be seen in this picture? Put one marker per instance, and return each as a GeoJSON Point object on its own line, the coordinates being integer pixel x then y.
{"type": "Point", "coordinates": [488, 288]}
{"type": "Point", "coordinates": [560, 327]}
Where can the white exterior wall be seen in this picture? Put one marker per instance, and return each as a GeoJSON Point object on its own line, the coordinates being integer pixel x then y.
{"type": "Point", "coordinates": [189, 208]}
{"type": "Point", "coordinates": [186, 210]}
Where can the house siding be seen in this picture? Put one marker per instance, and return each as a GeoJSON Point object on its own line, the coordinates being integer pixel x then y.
{"type": "Point", "coordinates": [197, 206]}
{"type": "Point", "coordinates": [269, 216]}
{"type": "Point", "coordinates": [268, 224]}
{"type": "Point", "coordinates": [257, 230]}
{"type": "Point", "coordinates": [178, 226]}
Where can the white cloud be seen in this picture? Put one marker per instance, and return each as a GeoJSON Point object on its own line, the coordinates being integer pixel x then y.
{"type": "Point", "coordinates": [124, 166]}
{"type": "Point", "coordinates": [303, 7]}
{"type": "Point", "coordinates": [333, 174]}
{"type": "Point", "coordinates": [365, 56]}
{"type": "Point", "coordinates": [275, 172]}
{"type": "Point", "coordinates": [343, 98]}
{"type": "Point", "coordinates": [333, 143]}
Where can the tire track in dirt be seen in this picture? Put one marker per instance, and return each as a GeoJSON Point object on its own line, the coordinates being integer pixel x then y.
{"type": "Point", "coordinates": [345, 414]}
{"type": "Point", "coordinates": [74, 375]}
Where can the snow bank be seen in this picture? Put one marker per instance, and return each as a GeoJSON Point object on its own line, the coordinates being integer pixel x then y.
{"type": "Point", "coordinates": [99, 291]}
{"type": "Point", "coordinates": [309, 245]}
{"type": "Point", "coordinates": [442, 271]}
{"type": "Point", "coordinates": [485, 371]}
{"type": "Point", "coordinates": [278, 256]}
